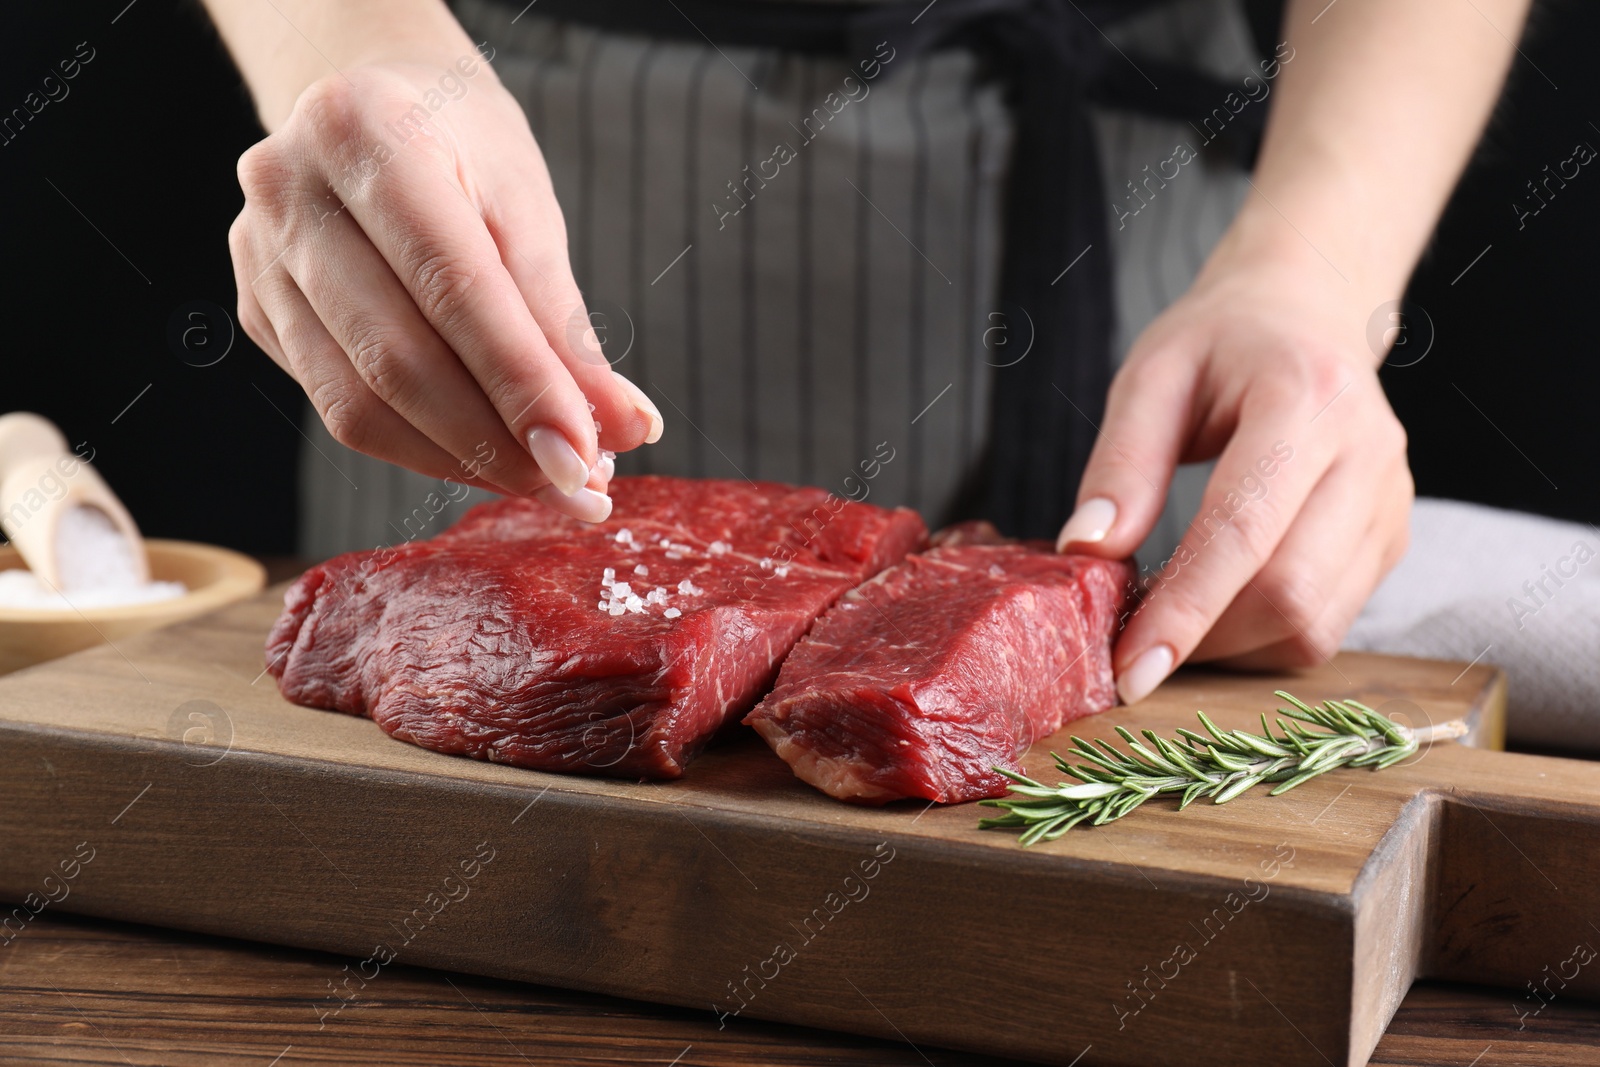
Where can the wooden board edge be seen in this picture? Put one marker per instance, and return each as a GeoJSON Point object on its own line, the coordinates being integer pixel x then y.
{"type": "Point", "coordinates": [1391, 938]}
{"type": "Point", "coordinates": [1012, 859]}
{"type": "Point", "coordinates": [303, 792]}
{"type": "Point", "coordinates": [1488, 715]}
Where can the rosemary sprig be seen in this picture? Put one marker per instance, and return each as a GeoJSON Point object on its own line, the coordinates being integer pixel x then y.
{"type": "Point", "coordinates": [1219, 764]}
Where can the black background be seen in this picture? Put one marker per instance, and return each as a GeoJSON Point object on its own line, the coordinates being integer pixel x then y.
{"type": "Point", "coordinates": [144, 147]}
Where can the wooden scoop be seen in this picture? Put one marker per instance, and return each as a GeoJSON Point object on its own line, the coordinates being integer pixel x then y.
{"type": "Point", "coordinates": [40, 481]}
{"type": "Point", "coordinates": [24, 434]}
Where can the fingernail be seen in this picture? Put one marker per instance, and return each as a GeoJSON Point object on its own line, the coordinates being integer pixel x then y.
{"type": "Point", "coordinates": [558, 459]}
{"type": "Point", "coordinates": [1089, 523]}
{"type": "Point", "coordinates": [585, 505]}
{"type": "Point", "coordinates": [606, 465]}
{"type": "Point", "coordinates": [1146, 672]}
{"type": "Point", "coordinates": [646, 408]}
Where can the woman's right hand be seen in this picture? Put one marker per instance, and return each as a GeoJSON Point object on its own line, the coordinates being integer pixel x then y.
{"type": "Point", "coordinates": [401, 254]}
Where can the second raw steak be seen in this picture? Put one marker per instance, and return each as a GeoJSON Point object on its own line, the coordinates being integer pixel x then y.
{"type": "Point", "coordinates": [920, 682]}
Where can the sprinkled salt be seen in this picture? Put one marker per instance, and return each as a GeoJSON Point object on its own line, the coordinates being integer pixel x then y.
{"type": "Point", "coordinates": [608, 575]}
{"type": "Point", "coordinates": [621, 590]}
{"type": "Point", "coordinates": [687, 588]}
{"type": "Point", "coordinates": [782, 572]}
{"type": "Point", "coordinates": [671, 613]}
{"type": "Point", "coordinates": [617, 607]}
{"type": "Point", "coordinates": [604, 605]}
{"type": "Point", "coordinates": [674, 555]}
{"type": "Point", "coordinates": [624, 536]}
{"type": "Point", "coordinates": [720, 548]}
{"type": "Point", "coordinates": [642, 571]}
{"type": "Point", "coordinates": [657, 595]}
{"type": "Point", "coordinates": [766, 564]}
{"type": "Point", "coordinates": [634, 604]}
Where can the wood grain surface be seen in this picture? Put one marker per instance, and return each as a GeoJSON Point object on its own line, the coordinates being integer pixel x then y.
{"type": "Point", "coordinates": [87, 991]}
{"type": "Point", "coordinates": [212, 805]}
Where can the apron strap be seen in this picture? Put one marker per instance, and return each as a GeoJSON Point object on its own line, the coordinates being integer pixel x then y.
{"type": "Point", "coordinates": [1055, 277]}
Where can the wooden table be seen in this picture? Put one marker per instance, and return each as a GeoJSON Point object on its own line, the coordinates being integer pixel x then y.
{"type": "Point", "coordinates": [85, 991]}
{"type": "Point", "coordinates": [80, 990]}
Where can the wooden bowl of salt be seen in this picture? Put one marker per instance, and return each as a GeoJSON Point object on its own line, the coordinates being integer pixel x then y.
{"type": "Point", "coordinates": [213, 577]}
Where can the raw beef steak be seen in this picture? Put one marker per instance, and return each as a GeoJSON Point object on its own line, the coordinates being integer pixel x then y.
{"type": "Point", "coordinates": [921, 681]}
{"type": "Point", "coordinates": [525, 637]}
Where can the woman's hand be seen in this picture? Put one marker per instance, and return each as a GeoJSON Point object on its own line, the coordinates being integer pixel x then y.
{"type": "Point", "coordinates": [1267, 368]}
{"type": "Point", "coordinates": [1264, 363]}
{"type": "Point", "coordinates": [402, 255]}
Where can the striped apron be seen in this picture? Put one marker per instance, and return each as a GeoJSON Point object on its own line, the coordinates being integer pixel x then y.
{"type": "Point", "coordinates": [797, 314]}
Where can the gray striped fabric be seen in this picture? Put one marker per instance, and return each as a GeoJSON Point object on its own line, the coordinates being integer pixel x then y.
{"type": "Point", "coordinates": [1157, 253]}
{"type": "Point", "coordinates": [792, 317]}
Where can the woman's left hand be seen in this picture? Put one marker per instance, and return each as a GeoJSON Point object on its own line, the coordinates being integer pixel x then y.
{"type": "Point", "coordinates": [1265, 367]}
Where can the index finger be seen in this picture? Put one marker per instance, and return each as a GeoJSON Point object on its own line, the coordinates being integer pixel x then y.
{"type": "Point", "coordinates": [438, 245]}
{"type": "Point", "coordinates": [1124, 484]}
{"type": "Point", "coordinates": [1259, 485]}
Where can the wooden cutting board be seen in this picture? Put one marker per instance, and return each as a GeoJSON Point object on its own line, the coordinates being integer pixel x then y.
{"type": "Point", "coordinates": [165, 781]}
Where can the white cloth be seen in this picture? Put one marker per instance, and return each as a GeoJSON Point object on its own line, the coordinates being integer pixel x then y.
{"type": "Point", "coordinates": [1516, 590]}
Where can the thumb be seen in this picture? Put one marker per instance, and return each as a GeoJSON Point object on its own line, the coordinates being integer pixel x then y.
{"type": "Point", "coordinates": [1124, 486]}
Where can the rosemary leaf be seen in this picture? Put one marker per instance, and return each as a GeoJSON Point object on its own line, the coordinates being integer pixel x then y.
{"type": "Point", "coordinates": [1219, 764]}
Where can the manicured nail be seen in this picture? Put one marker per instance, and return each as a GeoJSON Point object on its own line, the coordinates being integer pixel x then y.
{"type": "Point", "coordinates": [1146, 672]}
{"type": "Point", "coordinates": [1089, 523]}
{"type": "Point", "coordinates": [646, 408]}
{"type": "Point", "coordinates": [558, 459]}
{"type": "Point", "coordinates": [585, 505]}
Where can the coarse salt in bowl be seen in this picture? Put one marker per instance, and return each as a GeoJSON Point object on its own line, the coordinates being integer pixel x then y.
{"type": "Point", "coordinates": [23, 589]}
{"type": "Point", "coordinates": [188, 580]}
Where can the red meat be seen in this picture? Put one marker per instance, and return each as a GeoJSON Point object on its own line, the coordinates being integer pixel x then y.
{"type": "Point", "coordinates": [505, 638]}
{"type": "Point", "coordinates": [921, 681]}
